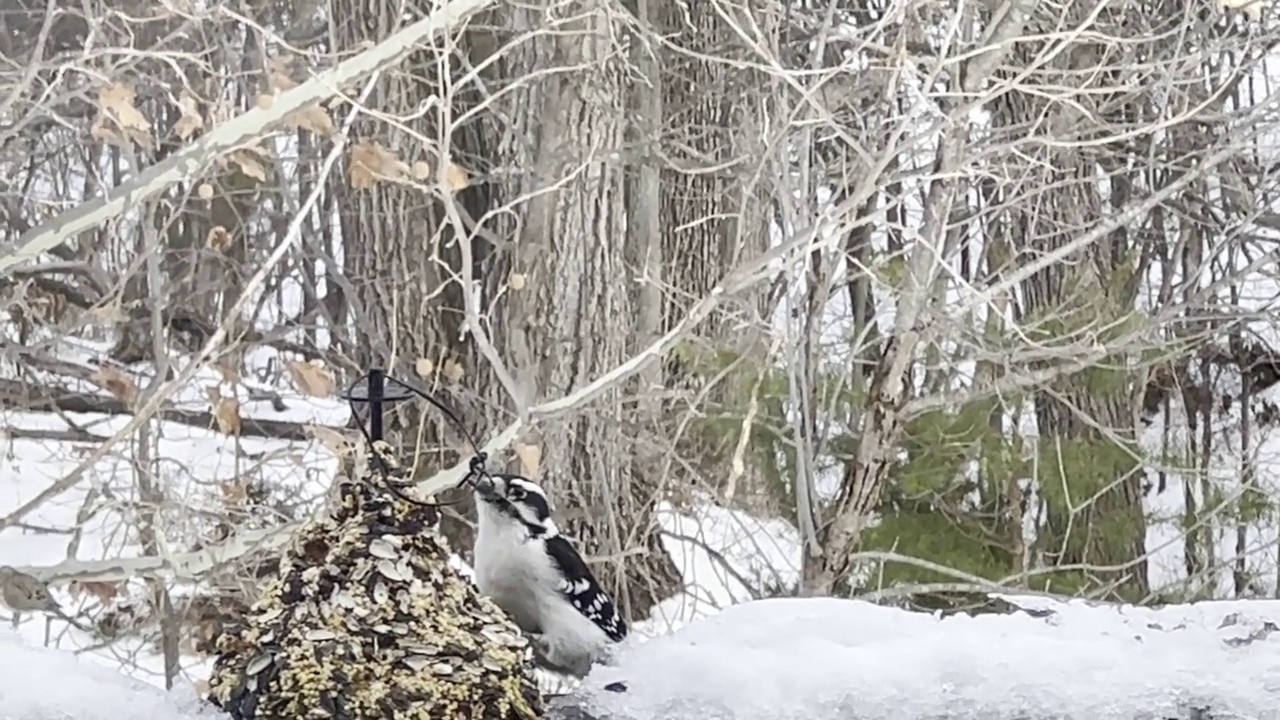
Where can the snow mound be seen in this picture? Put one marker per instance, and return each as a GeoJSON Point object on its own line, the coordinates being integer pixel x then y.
{"type": "Point", "coordinates": [44, 684]}
{"type": "Point", "coordinates": [822, 658]}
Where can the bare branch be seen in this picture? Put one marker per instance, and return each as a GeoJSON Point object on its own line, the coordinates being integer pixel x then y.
{"type": "Point", "coordinates": [191, 160]}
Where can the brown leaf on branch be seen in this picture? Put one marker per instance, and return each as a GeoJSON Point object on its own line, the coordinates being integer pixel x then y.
{"type": "Point", "coordinates": [120, 386]}
{"type": "Point", "coordinates": [314, 119]}
{"type": "Point", "coordinates": [337, 443]}
{"type": "Point", "coordinates": [311, 378]}
{"type": "Point", "coordinates": [530, 459]}
{"type": "Point", "coordinates": [219, 239]}
{"type": "Point", "coordinates": [280, 82]}
{"type": "Point", "coordinates": [234, 494]}
{"type": "Point", "coordinates": [191, 120]}
{"type": "Point", "coordinates": [456, 179]}
{"type": "Point", "coordinates": [226, 410]}
{"type": "Point", "coordinates": [279, 71]}
{"type": "Point", "coordinates": [227, 413]}
{"type": "Point", "coordinates": [371, 162]}
{"type": "Point", "coordinates": [121, 120]}
{"type": "Point", "coordinates": [104, 591]}
{"type": "Point", "coordinates": [249, 164]}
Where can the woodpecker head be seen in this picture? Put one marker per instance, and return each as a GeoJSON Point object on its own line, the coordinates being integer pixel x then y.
{"type": "Point", "coordinates": [515, 499]}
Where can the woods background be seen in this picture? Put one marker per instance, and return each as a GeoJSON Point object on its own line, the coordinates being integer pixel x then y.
{"type": "Point", "coordinates": [971, 294]}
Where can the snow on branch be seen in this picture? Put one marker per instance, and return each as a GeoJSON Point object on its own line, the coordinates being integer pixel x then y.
{"type": "Point", "coordinates": [183, 566]}
{"type": "Point", "coordinates": [191, 160]}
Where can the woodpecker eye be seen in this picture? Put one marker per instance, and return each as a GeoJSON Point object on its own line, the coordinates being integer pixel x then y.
{"type": "Point", "coordinates": [516, 492]}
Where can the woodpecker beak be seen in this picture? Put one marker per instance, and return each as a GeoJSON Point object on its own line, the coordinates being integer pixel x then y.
{"type": "Point", "coordinates": [484, 486]}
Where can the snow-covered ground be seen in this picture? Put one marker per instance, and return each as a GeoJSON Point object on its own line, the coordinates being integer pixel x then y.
{"type": "Point", "coordinates": [46, 684]}
{"type": "Point", "coordinates": [824, 659]}
{"type": "Point", "coordinates": [815, 659]}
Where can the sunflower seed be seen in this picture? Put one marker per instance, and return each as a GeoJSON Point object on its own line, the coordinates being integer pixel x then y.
{"type": "Point", "coordinates": [417, 663]}
{"type": "Point", "coordinates": [389, 571]}
{"type": "Point", "coordinates": [421, 648]}
{"type": "Point", "coordinates": [258, 664]}
{"type": "Point", "coordinates": [380, 548]}
{"type": "Point", "coordinates": [442, 669]}
{"type": "Point", "coordinates": [319, 634]}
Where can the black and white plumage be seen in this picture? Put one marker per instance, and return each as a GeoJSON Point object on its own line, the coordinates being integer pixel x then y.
{"type": "Point", "coordinates": [537, 577]}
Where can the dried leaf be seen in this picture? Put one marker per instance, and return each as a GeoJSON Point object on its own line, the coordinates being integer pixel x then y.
{"type": "Point", "coordinates": [314, 119]}
{"type": "Point", "coordinates": [168, 8]}
{"type": "Point", "coordinates": [102, 132]}
{"type": "Point", "coordinates": [337, 443]}
{"type": "Point", "coordinates": [108, 313]}
{"type": "Point", "coordinates": [205, 191]}
{"type": "Point", "coordinates": [118, 101]}
{"type": "Point", "coordinates": [117, 383]}
{"type": "Point", "coordinates": [218, 240]}
{"type": "Point", "coordinates": [455, 178]}
{"type": "Point", "coordinates": [453, 370]}
{"type": "Point", "coordinates": [249, 165]}
{"type": "Point", "coordinates": [100, 589]}
{"type": "Point", "coordinates": [191, 120]}
{"type": "Point", "coordinates": [234, 493]}
{"type": "Point", "coordinates": [421, 170]}
{"type": "Point", "coordinates": [227, 412]}
{"type": "Point", "coordinates": [280, 81]}
{"type": "Point", "coordinates": [311, 378]}
{"type": "Point", "coordinates": [516, 281]}
{"type": "Point", "coordinates": [370, 161]}
{"type": "Point", "coordinates": [265, 101]}
{"type": "Point", "coordinates": [424, 367]}
{"type": "Point", "coordinates": [530, 459]}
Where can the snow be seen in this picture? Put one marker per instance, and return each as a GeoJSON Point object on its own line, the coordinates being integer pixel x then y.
{"type": "Point", "coordinates": [815, 659]}
{"type": "Point", "coordinates": [42, 684]}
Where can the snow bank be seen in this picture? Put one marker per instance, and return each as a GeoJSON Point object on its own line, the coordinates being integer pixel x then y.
{"type": "Point", "coordinates": [820, 658]}
{"type": "Point", "coordinates": [42, 684]}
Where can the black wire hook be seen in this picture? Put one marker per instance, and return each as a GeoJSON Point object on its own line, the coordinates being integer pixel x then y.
{"type": "Point", "coordinates": [378, 390]}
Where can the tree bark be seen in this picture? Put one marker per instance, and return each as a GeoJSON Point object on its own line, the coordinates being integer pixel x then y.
{"type": "Point", "coordinates": [401, 256]}
{"type": "Point", "coordinates": [575, 317]}
{"type": "Point", "coordinates": [715, 213]}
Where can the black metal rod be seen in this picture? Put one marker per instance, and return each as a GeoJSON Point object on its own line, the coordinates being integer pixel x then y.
{"type": "Point", "coordinates": [376, 386]}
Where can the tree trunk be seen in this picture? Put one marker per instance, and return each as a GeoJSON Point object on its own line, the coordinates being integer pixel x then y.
{"type": "Point", "coordinates": [575, 317]}
{"type": "Point", "coordinates": [714, 214]}
{"type": "Point", "coordinates": [401, 256]}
